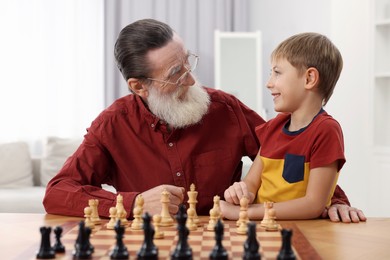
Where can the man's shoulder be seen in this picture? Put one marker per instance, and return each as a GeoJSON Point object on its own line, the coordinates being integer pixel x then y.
{"type": "Point", "coordinates": [217, 95]}
{"type": "Point", "coordinates": [121, 107]}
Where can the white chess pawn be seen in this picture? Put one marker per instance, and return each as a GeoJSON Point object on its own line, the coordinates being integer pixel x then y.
{"type": "Point", "coordinates": [137, 223]}
{"type": "Point", "coordinates": [111, 224]}
{"type": "Point", "coordinates": [272, 225]}
{"type": "Point", "coordinates": [121, 215]}
{"type": "Point", "coordinates": [94, 204]}
{"type": "Point", "coordinates": [213, 219]}
{"type": "Point", "coordinates": [243, 227]}
{"type": "Point", "coordinates": [156, 222]}
{"type": "Point", "coordinates": [244, 202]}
{"type": "Point", "coordinates": [191, 225]}
{"type": "Point", "coordinates": [87, 215]}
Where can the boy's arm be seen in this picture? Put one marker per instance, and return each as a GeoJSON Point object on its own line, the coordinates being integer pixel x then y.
{"type": "Point", "coordinates": [312, 204]}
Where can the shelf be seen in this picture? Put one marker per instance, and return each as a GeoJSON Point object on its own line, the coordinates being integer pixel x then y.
{"type": "Point", "coordinates": [384, 22]}
{"type": "Point", "coordinates": [381, 80]}
{"type": "Point", "coordinates": [382, 75]}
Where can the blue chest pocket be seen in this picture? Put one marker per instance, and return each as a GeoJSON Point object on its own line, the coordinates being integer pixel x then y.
{"type": "Point", "coordinates": [294, 168]}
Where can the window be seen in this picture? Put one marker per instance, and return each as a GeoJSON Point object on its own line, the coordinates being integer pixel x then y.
{"type": "Point", "coordinates": [51, 67]}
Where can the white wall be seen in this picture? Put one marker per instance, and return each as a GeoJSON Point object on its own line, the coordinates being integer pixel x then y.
{"type": "Point", "coordinates": [351, 103]}
{"type": "Point", "coordinates": [347, 23]}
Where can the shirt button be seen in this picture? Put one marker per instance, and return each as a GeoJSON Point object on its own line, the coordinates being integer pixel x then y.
{"type": "Point", "coordinates": [178, 174]}
{"type": "Point", "coordinates": [152, 125]}
{"type": "Point", "coordinates": [170, 144]}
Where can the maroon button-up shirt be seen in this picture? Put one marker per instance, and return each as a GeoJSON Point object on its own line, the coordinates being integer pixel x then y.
{"type": "Point", "coordinates": [131, 149]}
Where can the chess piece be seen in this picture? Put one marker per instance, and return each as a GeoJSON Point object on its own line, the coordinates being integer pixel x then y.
{"type": "Point", "coordinates": [119, 202]}
{"type": "Point", "coordinates": [111, 224]}
{"type": "Point", "coordinates": [120, 250]}
{"type": "Point", "coordinates": [213, 219]}
{"type": "Point", "coordinates": [271, 223]}
{"type": "Point", "coordinates": [216, 206]}
{"type": "Point", "coordinates": [192, 201]}
{"type": "Point", "coordinates": [87, 215]}
{"type": "Point", "coordinates": [83, 248]}
{"type": "Point", "coordinates": [244, 202]}
{"type": "Point", "coordinates": [218, 252]}
{"type": "Point", "coordinates": [267, 206]}
{"type": "Point", "coordinates": [58, 246]}
{"type": "Point", "coordinates": [183, 249]}
{"type": "Point", "coordinates": [156, 223]}
{"type": "Point", "coordinates": [166, 219]}
{"type": "Point", "coordinates": [94, 204]}
{"type": "Point", "coordinates": [121, 215]}
{"type": "Point", "coordinates": [286, 252]}
{"type": "Point", "coordinates": [45, 250]}
{"type": "Point", "coordinates": [137, 213]}
{"type": "Point", "coordinates": [191, 225]}
{"type": "Point", "coordinates": [148, 249]}
{"type": "Point", "coordinates": [251, 245]}
{"type": "Point", "coordinates": [243, 228]}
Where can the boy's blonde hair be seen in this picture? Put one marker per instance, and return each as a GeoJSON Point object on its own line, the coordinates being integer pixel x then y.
{"type": "Point", "coordinates": [307, 50]}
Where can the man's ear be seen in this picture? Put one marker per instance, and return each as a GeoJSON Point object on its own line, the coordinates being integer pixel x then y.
{"type": "Point", "coordinates": [312, 77]}
{"type": "Point", "coordinates": [137, 87]}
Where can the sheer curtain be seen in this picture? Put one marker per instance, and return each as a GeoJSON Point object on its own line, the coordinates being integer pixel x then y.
{"type": "Point", "coordinates": [51, 68]}
{"type": "Point", "coordinates": [194, 20]}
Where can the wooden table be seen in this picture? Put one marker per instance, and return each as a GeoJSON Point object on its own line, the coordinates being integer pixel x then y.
{"type": "Point", "coordinates": [366, 240]}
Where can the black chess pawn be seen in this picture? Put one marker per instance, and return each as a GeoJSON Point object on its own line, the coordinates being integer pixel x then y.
{"type": "Point", "coordinates": [286, 252]}
{"type": "Point", "coordinates": [58, 246]}
{"type": "Point", "coordinates": [120, 250]}
{"type": "Point", "coordinates": [45, 250]}
{"type": "Point", "coordinates": [148, 249]}
{"type": "Point", "coordinates": [219, 252]}
{"type": "Point", "coordinates": [251, 245]}
{"type": "Point", "coordinates": [182, 250]}
{"type": "Point", "coordinates": [83, 248]}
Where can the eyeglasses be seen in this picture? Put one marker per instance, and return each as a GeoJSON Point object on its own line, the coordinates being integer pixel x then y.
{"type": "Point", "coordinates": [190, 65]}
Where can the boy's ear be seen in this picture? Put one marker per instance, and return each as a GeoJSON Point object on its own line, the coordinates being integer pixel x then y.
{"type": "Point", "coordinates": [137, 87]}
{"type": "Point", "coordinates": [312, 77]}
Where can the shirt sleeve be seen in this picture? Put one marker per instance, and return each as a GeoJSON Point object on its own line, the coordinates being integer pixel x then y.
{"type": "Point", "coordinates": [80, 179]}
{"type": "Point", "coordinates": [328, 146]}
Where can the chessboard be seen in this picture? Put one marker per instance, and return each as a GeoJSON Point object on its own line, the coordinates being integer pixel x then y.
{"type": "Point", "coordinates": [201, 241]}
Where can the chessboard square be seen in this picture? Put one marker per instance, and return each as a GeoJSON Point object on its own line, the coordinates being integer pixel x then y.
{"type": "Point", "coordinates": [270, 244]}
{"type": "Point", "coordinates": [100, 252]}
{"type": "Point", "coordinates": [163, 242]}
{"type": "Point", "coordinates": [194, 243]}
{"type": "Point", "coordinates": [208, 234]}
{"type": "Point", "coordinates": [269, 235]}
{"type": "Point", "coordinates": [196, 248]}
{"type": "Point", "coordinates": [102, 242]}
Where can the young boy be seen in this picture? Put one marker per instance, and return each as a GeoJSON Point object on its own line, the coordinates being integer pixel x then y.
{"type": "Point", "coordinates": [302, 148]}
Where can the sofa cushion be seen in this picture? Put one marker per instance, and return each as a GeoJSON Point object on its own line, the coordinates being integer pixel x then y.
{"type": "Point", "coordinates": [15, 165]}
{"type": "Point", "coordinates": [57, 150]}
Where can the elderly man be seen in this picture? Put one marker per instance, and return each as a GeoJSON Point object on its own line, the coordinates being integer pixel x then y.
{"type": "Point", "coordinates": [169, 133]}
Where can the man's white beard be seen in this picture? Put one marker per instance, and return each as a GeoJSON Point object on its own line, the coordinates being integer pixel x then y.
{"type": "Point", "coordinates": [179, 113]}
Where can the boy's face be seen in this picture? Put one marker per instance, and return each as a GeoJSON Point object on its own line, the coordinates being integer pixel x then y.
{"type": "Point", "coordinates": [287, 86]}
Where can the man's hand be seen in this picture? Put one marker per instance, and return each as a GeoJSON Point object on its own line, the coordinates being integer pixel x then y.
{"type": "Point", "coordinates": [346, 213]}
{"type": "Point", "coordinates": [152, 199]}
{"type": "Point", "coordinates": [235, 192]}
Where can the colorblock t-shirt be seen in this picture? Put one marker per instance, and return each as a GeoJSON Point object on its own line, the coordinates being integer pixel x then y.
{"type": "Point", "coordinates": [287, 156]}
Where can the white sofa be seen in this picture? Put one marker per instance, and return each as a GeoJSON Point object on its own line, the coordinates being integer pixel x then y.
{"type": "Point", "coordinates": [23, 179]}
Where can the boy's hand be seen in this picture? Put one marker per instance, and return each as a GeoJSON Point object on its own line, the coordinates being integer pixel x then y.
{"type": "Point", "coordinates": [235, 192]}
